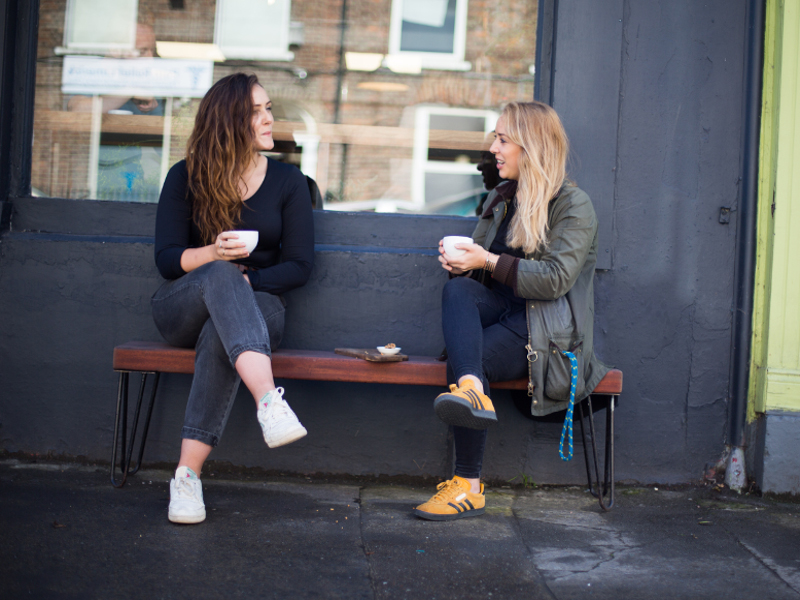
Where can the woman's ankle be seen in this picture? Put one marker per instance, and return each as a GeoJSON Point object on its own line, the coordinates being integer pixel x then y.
{"type": "Point", "coordinates": [475, 485]}
{"type": "Point", "coordinates": [476, 382]}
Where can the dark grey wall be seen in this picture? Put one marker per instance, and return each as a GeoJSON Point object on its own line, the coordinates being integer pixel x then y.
{"type": "Point", "coordinates": [651, 94]}
{"type": "Point", "coordinates": [679, 129]}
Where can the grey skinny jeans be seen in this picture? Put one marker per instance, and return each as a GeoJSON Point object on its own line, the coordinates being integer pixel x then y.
{"type": "Point", "coordinates": [214, 310]}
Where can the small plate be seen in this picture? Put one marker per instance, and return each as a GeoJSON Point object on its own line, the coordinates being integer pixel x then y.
{"type": "Point", "coordinates": [388, 351]}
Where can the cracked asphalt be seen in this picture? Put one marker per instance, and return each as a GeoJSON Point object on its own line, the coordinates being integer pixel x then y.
{"type": "Point", "coordinates": [68, 534]}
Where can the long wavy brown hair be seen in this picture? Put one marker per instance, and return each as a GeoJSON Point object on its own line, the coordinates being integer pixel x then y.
{"type": "Point", "coordinates": [220, 148]}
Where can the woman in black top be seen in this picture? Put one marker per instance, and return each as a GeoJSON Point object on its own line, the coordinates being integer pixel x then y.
{"type": "Point", "coordinates": [219, 298]}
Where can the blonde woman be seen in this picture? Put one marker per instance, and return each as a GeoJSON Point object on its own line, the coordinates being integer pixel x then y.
{"type": "Point", "coordinates": [524, 292]}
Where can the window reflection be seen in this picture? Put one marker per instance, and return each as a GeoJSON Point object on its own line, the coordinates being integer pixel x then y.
{"type": "Point", "coordinates": [100, 26]}
{"type": "Point", "coordinates": [253, 29]}
{"type": "Point", "coordinates": [432, 32]}
{"type": "Point", "coordinates": [388, 111]}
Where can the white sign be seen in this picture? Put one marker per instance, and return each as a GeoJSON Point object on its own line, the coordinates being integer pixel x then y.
{"type": "Point", "coordinates": [136, 77]}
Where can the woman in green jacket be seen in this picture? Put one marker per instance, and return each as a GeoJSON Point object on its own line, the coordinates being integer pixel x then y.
{"type": "Point", "coordinates": [523, 303]}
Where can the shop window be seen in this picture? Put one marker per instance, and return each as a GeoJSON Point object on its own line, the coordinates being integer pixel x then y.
{"type": "Point", "coordinates": [390, 131]}
{"type": "Point", "coordinates": [431, 33]}
{"type": "Point", "coordinates": [99, 27]}
{"type": "Point", "coordinates": [254, 29]}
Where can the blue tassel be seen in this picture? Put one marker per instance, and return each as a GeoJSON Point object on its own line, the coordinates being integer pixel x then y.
{"type": "Point", "coordinates": [566, 431]}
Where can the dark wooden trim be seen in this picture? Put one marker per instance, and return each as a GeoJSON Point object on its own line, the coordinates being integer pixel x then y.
{"type": "Point", "coordinates": [546, 30]}
{"type": "Point", "coordinates": [22, 94]}
{"type": "Point", "coordinates": [7, 38]}
{"type": "Point", "coordinates": [315, 365]}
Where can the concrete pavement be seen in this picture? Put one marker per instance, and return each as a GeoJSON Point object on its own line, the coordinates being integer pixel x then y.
{"type": "Point", "coordinates": [67, 533]}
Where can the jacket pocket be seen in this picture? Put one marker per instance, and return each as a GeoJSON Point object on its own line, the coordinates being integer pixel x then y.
{"type": "Point", "coordinates": [559, 369]}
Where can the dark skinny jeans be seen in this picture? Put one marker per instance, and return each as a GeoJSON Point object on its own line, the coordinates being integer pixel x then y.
{"type": "Point", "coordinates": [485, 333]}
{"type": "Point", "coordinates": [214, 310]}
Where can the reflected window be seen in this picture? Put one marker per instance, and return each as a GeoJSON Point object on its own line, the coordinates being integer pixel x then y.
{"type": "Point", "coordinates": [253, 29]}
{"type": "Point", "coordinates": [445, 178]}
{"type": "Point", "coordinates": [429, 32]}
{"type": "Point", "coordinates": [100, 26]}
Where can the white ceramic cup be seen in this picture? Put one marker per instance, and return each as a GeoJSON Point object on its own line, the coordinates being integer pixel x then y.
{"type": "Point", "coordinates": [249, 237]}
{"type": "Point", "coordinates": [449, 242]}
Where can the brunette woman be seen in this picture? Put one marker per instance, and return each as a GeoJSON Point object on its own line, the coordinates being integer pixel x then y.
{"type": "Point", "coordinates": [219, 298]}
{"type": "Point", "coordinates": [524, 297]}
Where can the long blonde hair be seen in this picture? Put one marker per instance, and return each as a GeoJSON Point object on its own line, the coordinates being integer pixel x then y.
{"type": "Point", "coordinates": [542, 169]}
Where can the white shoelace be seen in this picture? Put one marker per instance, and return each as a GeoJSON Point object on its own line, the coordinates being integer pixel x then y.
{"type": "Point", "coordinates": [184, 489]}
{"type": "Point", "coordinates": [278, 410]}
{"type": "Point", "coordinates": [281, 410]}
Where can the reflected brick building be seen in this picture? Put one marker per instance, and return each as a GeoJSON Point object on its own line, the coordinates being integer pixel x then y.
{"type": "Point", "coordinates": [336, 115]}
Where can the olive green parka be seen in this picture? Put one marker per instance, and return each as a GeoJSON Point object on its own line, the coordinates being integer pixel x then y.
{"type": "Point", "coordinates": [557, 282]}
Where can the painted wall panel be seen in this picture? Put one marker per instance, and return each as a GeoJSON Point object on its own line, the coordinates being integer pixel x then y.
{"type": "Point", "coordinates": [783, 358]}
{"type": "Point", "coordinates": [765, 220]}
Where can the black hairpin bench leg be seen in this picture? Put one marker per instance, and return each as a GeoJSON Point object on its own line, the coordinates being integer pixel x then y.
{"type": "Point", "coordinates": [608, 485]}
{"type": "Point", "coordinates": [121, 427]}
{"type": "Point", "coordinates": [607, 489]}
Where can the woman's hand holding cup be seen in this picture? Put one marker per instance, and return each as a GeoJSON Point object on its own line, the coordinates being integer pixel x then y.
{"type": "Point", "coordinates": [234, 245]}
{"type": "Point", "coordinates": [459, 254]}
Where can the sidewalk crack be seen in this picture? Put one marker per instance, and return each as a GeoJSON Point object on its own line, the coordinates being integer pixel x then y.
{"type": "Point", "coordinates": [789, 577]}
{"type": "Point", "coordinates": [518, 530]}
{"type": "Point", "coordinates": [363, 544]}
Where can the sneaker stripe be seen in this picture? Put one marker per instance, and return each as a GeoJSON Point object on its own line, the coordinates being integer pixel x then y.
{"type": "Point", "coordinates": [476, 399]}
{"type": "Point", "coordinates": [470, 397]}
{"type": "Point", "coordinates": [469, 504]}
{"type": "Point", "coordinates": [456, 506]}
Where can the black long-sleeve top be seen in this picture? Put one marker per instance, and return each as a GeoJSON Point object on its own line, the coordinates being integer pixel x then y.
{"type": "Point", "coordinates": [280, 210]}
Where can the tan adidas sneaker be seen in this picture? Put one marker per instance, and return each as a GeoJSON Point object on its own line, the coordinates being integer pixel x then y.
{"type": "Point", "coordinates": [465, 407]}
{"type": "Point", "coordinates": [453, 501]}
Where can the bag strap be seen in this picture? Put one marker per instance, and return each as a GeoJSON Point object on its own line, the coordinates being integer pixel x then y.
{"type": "Point", "coordinates": [566, 431]}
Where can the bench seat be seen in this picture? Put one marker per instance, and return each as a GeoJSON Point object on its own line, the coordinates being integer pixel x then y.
{"type": "Point", "coordinates": [315, 365]}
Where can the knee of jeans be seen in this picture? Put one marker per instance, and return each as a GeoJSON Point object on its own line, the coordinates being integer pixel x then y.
{"type": "Point", "coordinates": [456, 287]}
{"type": "Point", "coordinates": [221, 270]}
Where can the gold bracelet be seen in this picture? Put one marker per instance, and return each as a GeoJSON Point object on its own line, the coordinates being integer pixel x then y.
{"type": "Point", "coordinates": [489, 266]}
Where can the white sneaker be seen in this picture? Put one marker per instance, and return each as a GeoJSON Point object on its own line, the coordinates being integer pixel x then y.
{"type": "Point", "coordinates": [278, 422]}
{"type": "Point", "coordinates": [186, 498]}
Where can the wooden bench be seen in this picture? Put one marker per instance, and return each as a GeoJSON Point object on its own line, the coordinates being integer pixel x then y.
{"type": "Point", "coordinates": [154, 358]}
